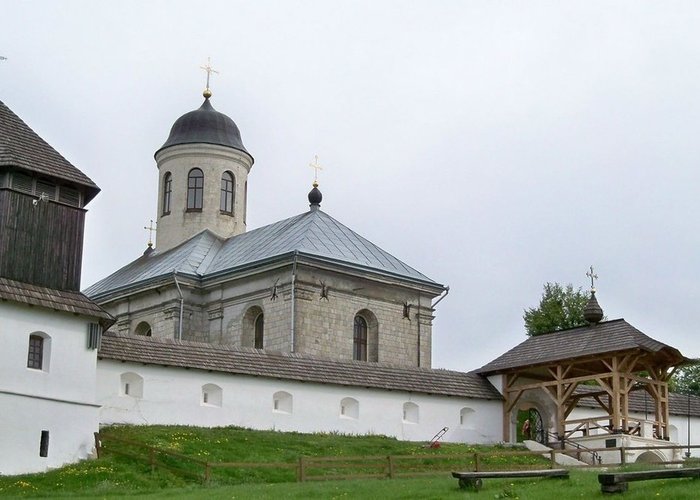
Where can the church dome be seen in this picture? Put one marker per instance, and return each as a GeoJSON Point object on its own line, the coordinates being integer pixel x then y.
{"type": "Point", "coordinates": [205, 126]}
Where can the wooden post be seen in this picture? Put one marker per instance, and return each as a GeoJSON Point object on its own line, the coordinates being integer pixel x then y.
{"type": "Point", "coordinates": [152, 458]}
{"type": "Point", "coordinates": [98, 445]}
{"type": "Point", "coordinates": [301, 473]}
{"type": "Point", "coordinates": [390, 459]}
{"type": "Point", "coordinates": [553, 458]}
{"type": "Point", "coordinates": [477, 465]}
{"type": "Point", "coordinates": [623, 458]}
{"type": "Point", "coordinates": [207, 472]}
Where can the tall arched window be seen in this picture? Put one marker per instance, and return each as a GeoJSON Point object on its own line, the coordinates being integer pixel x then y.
{"type": "Point", "coordinates": [167, 192]}
{"type": "Point", "coordinates": [195, 189]}
{"type": "Point", "coordinates": [359, 340]}
{"type": "Point", "coordinates": [227, 185]}
{"type": "Point", "coordinates": [259, 330]}
{"type": "Point", "coordinates": [143, 328]}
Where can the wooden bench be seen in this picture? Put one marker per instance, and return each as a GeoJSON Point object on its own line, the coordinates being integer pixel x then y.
{"type": "Point", "coordinates": [616, 482]}
{"type": "Point", "coordinates": [473, 480]}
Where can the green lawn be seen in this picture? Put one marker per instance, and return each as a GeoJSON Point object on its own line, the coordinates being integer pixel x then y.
{"type": "Point", "coordinates": [114, 476]}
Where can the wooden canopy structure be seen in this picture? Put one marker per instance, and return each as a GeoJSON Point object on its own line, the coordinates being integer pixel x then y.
{"type": "Point", "coordinates": [603, 362]}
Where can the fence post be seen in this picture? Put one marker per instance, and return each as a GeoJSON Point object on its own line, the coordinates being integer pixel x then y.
{"type": "Point", "coordinates": [477, 465]}
{"type": "Point", "coordinates": [300, 471]}
{"type": "Point", "coordinates": [98, 445]}
{"type": "Point", "coordinates": [553, 458]}
{"type": "Point", "coordinates": [152, 458]}
{"type": "Point", "coordinates": [623, 459]}
{"type": "Point", "coordinates": [207, 472]}
{"type": "Point", "coordinates": [390, 459]}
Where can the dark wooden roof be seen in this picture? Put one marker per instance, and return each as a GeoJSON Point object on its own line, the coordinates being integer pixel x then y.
{"type": "Point", "coordinates": [582, 342]}
{"type": "Point", "coordinates": [288, 366]}
{"type": "Point", "coordinates": [58, 300]}
{"type": "Point", "coordinates": [677, 403]}
{"type": "Point", "coordinates": [22, 148]}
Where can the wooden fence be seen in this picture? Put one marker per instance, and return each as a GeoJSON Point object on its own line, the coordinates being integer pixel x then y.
{"type": "Point", "coordinates": [308, 468]}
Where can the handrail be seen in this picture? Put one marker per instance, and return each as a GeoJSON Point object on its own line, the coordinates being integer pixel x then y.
{"type": "Point", "coordinates": [578, 446]}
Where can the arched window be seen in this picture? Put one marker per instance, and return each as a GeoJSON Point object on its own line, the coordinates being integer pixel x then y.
{"type": "Point", "coordinates": [259, 330]}
{"type": "Point", "coordinates": [410, 413]}
{"type": "Point", "coordinates": [359, 339]}
{"type": "Point", "coordinates": [131, 385]}
{"type": "Point", "coordinates": [143, 328]}
{"type": "Point", "coordinates": [211, 395]}
{"type": "Point", "coordinates": [167, 192]}
{"type": "Point", "coordinates": [38, 352]}
{"type": "Point", "coordinates": [227, 185]}
{"type": "Point", "coordinates": [195, 190]}
{"type": "Point", "coordinates": [282, 402]}
{"type": "Point", "coordinates": [464, 415]}
{"type": "Point", "coordinates": [349, 408]}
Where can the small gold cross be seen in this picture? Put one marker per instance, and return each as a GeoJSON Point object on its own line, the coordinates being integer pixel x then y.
{"type": "Point", "coordinates": [209, 70]}
{"type": "Point", "coordinates": [593, 276]}
{"type": "Point", "coordinates": [150, 228]}
{"type": "Point", "coordinates": [315, 165]}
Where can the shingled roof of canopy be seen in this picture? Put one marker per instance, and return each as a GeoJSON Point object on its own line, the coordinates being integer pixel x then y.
{"type": "Point", "coordinates": [581, 342]}
{"type": "Point", "coordinates": [293, 366]}
{"type": "Point", "coordinates": [22, 148]}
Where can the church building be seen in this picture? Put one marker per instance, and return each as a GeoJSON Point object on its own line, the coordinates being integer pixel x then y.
{"type": "Point", "coordinates": [300, 325]}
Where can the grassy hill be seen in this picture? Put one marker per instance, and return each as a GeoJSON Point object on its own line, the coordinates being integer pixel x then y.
{"type": "Point", "coordinates": [128, 472]}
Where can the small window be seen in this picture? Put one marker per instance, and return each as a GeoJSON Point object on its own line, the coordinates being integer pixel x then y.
{"type": "Point", "coordinates": [359, 343]}
{"type": "Point", "coordinates": [410, 413]}
{"type": "Point", "coordinates": [46, 190]}
{"type": "Point", "coordinates": [22, 182]}
{"type": "Point", "coordinates": [349, 408]}
{"type": "Point", "coordinates": [94, 335]}
{"type": "Point", "coordinates": [132, 385]}
{"type": "Point", "coordinates": [38, 351]}
{"type": "Point", "coordinates": [282, 402]}
{"type": "Point", "coordinates": [211, 395]}
{"type": "Point", "coordinates": [167, 192]}
{"type": "Point", "coordinates": [227, 185]}
{"type": "Point", "coordinates": [143, 328]}
{"type": "Point", "coordinates": [44, 444]}
{"type": "Point", "coordinates": [69, 196]}
{"type": "Point", "coordinates": [464, 415]}
{"type": "Point", "coordinates": [259, 330]}
{"type": "Point", "coordinates": [195, 190]}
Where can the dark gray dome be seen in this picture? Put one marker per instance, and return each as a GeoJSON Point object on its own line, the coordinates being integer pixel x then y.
{"type": "Point", "coordinates": [205, 126]}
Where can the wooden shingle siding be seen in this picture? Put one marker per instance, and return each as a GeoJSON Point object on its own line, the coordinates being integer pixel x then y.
{"type": "Point", "coordinates": [40, 244]}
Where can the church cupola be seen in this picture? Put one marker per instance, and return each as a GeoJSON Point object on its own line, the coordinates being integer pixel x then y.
{"type": "Point", "coordinates": [203, 172]}
{"type": "Point", "coordinates": [592, 312]}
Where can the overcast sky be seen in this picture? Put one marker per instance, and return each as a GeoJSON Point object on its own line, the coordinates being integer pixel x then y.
{"type": "Point", "coordinates": [494, 146]}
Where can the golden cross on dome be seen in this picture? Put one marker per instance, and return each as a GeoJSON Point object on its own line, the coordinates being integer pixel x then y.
{"type": "Point", "coordinates": [209, 71]}
{"type": "Point", "coordinates": [315, 165]}
{"type": "Point", "coordinates": [593, 276]}
{"type": "Point", "coordinates": [150, 228]}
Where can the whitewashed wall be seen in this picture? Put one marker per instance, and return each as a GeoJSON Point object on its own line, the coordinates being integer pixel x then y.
{"type": "Point", "coordinates": [59, 398]}
{"type": "Point", "coordinates": [174, 396]}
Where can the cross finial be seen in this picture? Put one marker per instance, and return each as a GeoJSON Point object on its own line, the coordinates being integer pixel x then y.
{"type": "Point", "coordinates": [209, 70]}
{"type": "Point", "coordinates": [150, 228]}
{"type": "Point", "coordinates": [593, 276]}
{"type": "Point", "coordinates": [316, 166]}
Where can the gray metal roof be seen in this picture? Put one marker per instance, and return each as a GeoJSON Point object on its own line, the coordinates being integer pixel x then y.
{"type": "Point", "coordinates": [57, 300]}
{"type": "Point", "coordinates": [313, 234]}
{"type": "Point", "coordinates": [22, 148]}
{"type": "Point", "coordinates": [205, 126]}
{"type": "Point", "coordinates": [581, 342]}
{"type": "Point", "coordinates": [288, 366]}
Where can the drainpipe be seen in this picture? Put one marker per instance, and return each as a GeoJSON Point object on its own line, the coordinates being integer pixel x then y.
{"type": "Point", "coordinates": [182, 305]}
{"type": "Point", "coordinates": [418, 322]}
{"type": "Point", "coordinates": [294, 278]}
{"type": "Point", "coordinates": [446, 290]}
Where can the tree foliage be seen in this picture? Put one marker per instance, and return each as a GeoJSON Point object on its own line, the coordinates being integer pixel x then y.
{"type": "Point", "coordinates": [686, 380]}
{"type": "Point", "coordinates": [560, 307]}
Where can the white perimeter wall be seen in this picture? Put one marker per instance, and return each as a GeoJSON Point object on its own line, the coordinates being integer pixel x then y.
{"type": "Point", "coordinates": [174, 396]}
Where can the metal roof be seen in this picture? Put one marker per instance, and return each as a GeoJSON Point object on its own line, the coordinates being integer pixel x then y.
{"type": "Point", "coordinates": [21, 147]}
{"type": "Point", "coordinates": [205, 126]}
{"type": "Point", "coordinates": [292, 366]}
{"type": "Point", "coordinates": [581, 342]}
{"type": "Point", "coordinates": [313, 234]}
